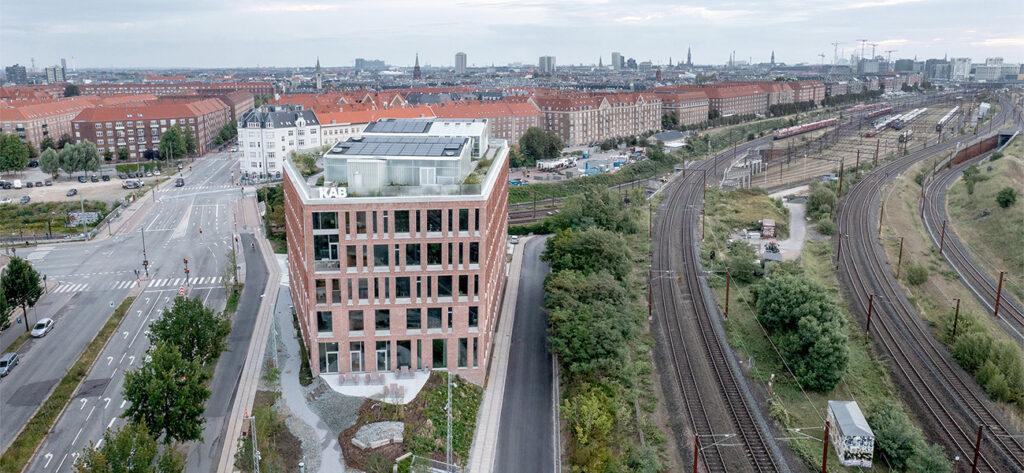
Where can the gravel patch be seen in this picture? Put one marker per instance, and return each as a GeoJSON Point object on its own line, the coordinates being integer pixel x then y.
{"type": "Point", "coordinates": [337, 411]}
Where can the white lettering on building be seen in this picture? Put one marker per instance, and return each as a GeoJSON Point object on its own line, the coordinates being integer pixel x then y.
{"type": "Point", "coordinates": [333, 192]}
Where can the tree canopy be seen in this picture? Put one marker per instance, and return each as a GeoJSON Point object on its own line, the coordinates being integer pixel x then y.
{"type": "Point", "coordinates": [537, 144]}
{"type": "Point", "coordinates": [21, 285]}
{"type": "Point", "coordinates": [71, 90]}
{"type": "Point", "coordinates": [79, 157]}
{"type": "Point", "coordinates": [167, 394]}
{"type": "Point", "coordinates": [13, 153]}
{"type": "Point", "coordinates": [131, 449]}
{"type": "Point", "coordinates": [194, 329]}
{"type": "Point", "coordinates": [173, 143]}
{"type": "Point", "coordinates": [589, 250]}
{"type": "Point", "coordinates": [49, 162]}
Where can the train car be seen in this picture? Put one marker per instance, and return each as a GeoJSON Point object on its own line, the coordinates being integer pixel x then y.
{"type": "Point", "coordinates": [906, 136]}
{"type": "Point", "coordinates": [902, 120]}
{"type": "Point", "coordinates": [800, 129]}
{"type": "Point", "coordinates": [947, 118]}
{"type": "Point", "coordinates": [877, 113]}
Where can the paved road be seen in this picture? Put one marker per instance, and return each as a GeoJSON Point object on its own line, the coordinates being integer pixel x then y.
{"type": "Point", "coordinates": [525, 442]}
{"type": "Point", "coordinates": [195, 221]}
{"type": "Point", "coordinates": [205, 455]}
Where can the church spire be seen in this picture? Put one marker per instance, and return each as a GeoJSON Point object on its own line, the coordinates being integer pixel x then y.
{"type": "Point", "coordinates": [689, 61]}
{"type": "Point", "coordinates": [416, 72]}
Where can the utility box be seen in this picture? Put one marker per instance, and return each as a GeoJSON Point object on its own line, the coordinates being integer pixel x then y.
{"type": "Point", "coordinates": [850, 434]}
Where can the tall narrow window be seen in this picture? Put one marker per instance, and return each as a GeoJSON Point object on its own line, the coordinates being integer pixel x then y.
{"type": "Point", "coordinates": [434, 220]}
{"type": "Point", "coordinates": [373, 221]}
{"type": "Point", "coordinates": [476, 219]}
{"type": "Point", "coordinates": [382, 319]}
{"type": "Point", "coordinates": [463, 351]}
{"type": "Point", "coordinates": [413, 319]}
{"type": "Point", "coordinates": [463, 220]}
{"type": "Point", "coordinates": [474, 316]}
{"type": "Point", "coordinates": [474, 252]}
{"type": "Point", "coordinates": [361, 222]}
{"type": "Point", "coordinates": [439, 353]}
{"type": "Point", "coordinates": [463, 285]}
{"type": "Point", "coordinates": [401, 221]}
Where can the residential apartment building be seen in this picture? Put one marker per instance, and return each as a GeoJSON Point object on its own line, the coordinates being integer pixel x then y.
{"type": "Point", "coordinates": [689, 108]}
{"type": "Point", "coordinates": [398, 263]}
{"type": "Point", "coordinates": [737, 100]}
{"type": "Point", "coordinates": [174, 88]}
{"type": "Point", "coordinates": [138, 127]}
{"type": "Point", "coordinates": [35, 119]}
{"type": "Point", "coordinates": [808, 91]}
{"type": "Point", "coordinates": [460, 63]}
{"type": "Point", "coordinates": [507, 120]}
{"type": "Point", "coordinates": [16, 74]}
{"type": "Point", "coordinates": [589, 119]}
{"type": "Point", "coordinates": [546, 65]}
{"type": "Point", "coordinates": [961, 71]}
{"type": "Point", "coordinates": [267, 135]}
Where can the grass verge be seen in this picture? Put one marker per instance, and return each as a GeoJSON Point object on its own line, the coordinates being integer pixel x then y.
{"type": "Point", "coordinates": [305, 373]}
{"type": "Point", "coordinates": [20, 451]}
{"type": "Point", "coordinates": [17, 343]}
{"type": "Point", "coordinates": [279, 448]}
{"type": "Point", "coordinates": [231, 306]}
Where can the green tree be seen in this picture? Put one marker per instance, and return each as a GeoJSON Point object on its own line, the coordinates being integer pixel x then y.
{"type": "Point", "coordinates": [588, 251]}
{"type": "Point", "coordinates": [47, 143]}
{"type": "Point", "coordinates": [191, 146]}
{"type": "Point", "coordinates": [172, 143]}
{"type": "Point", "coordinates": [21, 286]}
{"type": "Point", "coordinates": [1006, 197]}
{"type": "Point", "coordinates": [536, 144]}
{"type": "Point", "coordinates": [33, 153]}
{"type": "Point", "coordinates": [971, 176]}
{"type": "Point", "coordinates": [72, 159]}
{"type": "Point", "coordinates": [740, 258]}
{"type": "Point", "coordinates": [49, 162]}
{"type": "Point", "coordinates": [13, 153]}
{"type": "Point", "coordinates": [571, 289]}
{"type": "Point", "coordinates": [596, 208]}
{"type": "Point", "coordinates": [131, 449]}
{"type": "Point", "coordinates": [108, 155]}
{"type": "Point", "coordinates": [588, 415]}
{"type": "Point", "coordinates": [122, 154]}
{"type": "Point", "coordinates": [895, 436]}
{"type": "Point", "coordinates": [63, 141]}
{"type": "Point", "coordinates": [90, 156]}
{"type": "Point", "coordinates": [71, 90]}
{"type": "Point", "coordinates": [590, 340]}
{"type": "Point", "coordinates": [972, 350]}
{"type": "Point", "coordinates": [929, 458]}
{"type": "Point", "coordinates": [167, 394]}
{"type": "Point", "coordinates": [821, 202]}
{"type": "Point", "coordinates": [194, 329]}
{"type": "Point", "coordinates": [5, 310]}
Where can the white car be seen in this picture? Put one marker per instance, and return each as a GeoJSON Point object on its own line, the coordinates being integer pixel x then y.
{"type": "Point", "coordinates": [234, 149]}
{"type": "Point", "coordinates": [42, 327]}
{"type": "Point", "coordinates": [156, 173]}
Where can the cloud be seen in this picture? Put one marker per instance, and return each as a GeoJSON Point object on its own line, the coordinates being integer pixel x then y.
{"type": "Point", "coordinates": [892, 42]}
{"type": "Point", "coordinates": [1001, 42]}
{"type": "Point", "coordinates": [280, 7]}
{"type": "Point", "coordinates": [873, 4]}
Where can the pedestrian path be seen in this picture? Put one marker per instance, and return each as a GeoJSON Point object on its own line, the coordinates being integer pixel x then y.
{"type": "Point", "coordinates": [65, 287]}
{"type": "Point", "coordinates": [193, 188]}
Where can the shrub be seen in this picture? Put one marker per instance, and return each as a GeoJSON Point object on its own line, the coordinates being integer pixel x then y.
{"type": "Point", "coordinates": [826, 226]}
{"type": "Point", "coordinates": [1006, 197]}
{"type": "Point", "coordinates": [917, 274]}
{"type": "Point", "coordinates": [895, 437]}
{"type": "Point", "coordinates": [996, 156]}
{"type": "Point", "coordinates": [821, 201]}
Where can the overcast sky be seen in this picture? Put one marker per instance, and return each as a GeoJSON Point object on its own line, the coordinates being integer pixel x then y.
{"type": "Point", "coordinates": [196, 33]}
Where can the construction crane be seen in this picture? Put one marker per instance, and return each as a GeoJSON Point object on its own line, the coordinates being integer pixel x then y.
{"type": "Point", "coordinates": [835, 53]}
{"type": "Point", "coordinates": [862, 43]}
{"type": "Point", "coordinates": [889, 52]}
{"type": "Point", "coordinates": [873, 46]}
{"type": "Point", "coordinates": [822, 56]}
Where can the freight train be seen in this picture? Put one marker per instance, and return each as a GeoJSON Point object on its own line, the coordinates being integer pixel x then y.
{"type": "Point", "coordinates": [946, 119]}
{"type": "Point", "coordinates": [902, 120]}
{"type": "Point", "coordinates": [799, 129]}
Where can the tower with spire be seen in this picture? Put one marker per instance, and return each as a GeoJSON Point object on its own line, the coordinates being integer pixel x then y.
{"type": "Point", "coordinates": [416, 72]}
{"type": "Point", "coordinates": [318, 75]}
{"type": "Point", "coordinates": [773, 58]}
{"type": "Point", "coordinates": [689, 59]}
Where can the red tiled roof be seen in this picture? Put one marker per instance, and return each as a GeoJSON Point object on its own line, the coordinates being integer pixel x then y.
{"type": "Point", "coordinates": [369, 115]}
{"type": "Point", "coordinates": [475, 109]}
{"type": "Point", "coordinates": [40, 109]}
{"type": "Point", "coordinates": [157, 109]}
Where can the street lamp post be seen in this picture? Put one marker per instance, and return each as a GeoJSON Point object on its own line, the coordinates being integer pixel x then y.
{"type": "Point", "coordinates": [145, 260]}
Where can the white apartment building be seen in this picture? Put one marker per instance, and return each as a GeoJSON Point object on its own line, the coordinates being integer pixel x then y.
{"type": "Point", "coordinates": [267, 135]}
{"type": "Point", "coordinates": [961, 71]}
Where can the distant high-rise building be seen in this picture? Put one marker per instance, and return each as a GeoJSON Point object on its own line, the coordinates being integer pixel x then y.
{"type": "Point", "coordinates": [546, 65]}
{"type": "Point", "coordinates": [616, 61]}
{"type": "Point", "coordinates": [773, 57]}
{"type": "Point", "coordinates": [64, 64]}
{"type": "Point", "coordinates": [961, 68]}
{"type": "Point", "coordinates": [17, 74]}
{"type": "Point", "coordinates": [318, 76]}
{"type": "Point", "coordinates": [370, 64]}
{"type": "Point", "coordinates": [689, 59]}
{"type": "Point", "coordinates": [904, 65]}
{"type": "Point", "coordinates": [416, 72]}
{"type": "Point", "coordinates": [460, 63]}
{"type": "Point", "coordinates": [993, 61]}
{"type": "Point", "coordinates": [55, 74]}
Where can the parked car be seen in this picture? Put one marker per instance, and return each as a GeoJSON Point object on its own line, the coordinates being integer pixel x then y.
{"type": "Point", "coordinates": [72, 192]}
{"type": "Point", "coordinates": [33, 163]}
{"type": "Point", "coordinates": [94, 178]}
{"type": "Point", "coordinates": [39, 183]}
{"type": "Point", "coordinates": [514, 239]}
{"type": "Point", "coordinates": [25, 199]}
{"type": "Point", "coordinates": [83, 179]}
{"type": "Point", "coordinates": [122, 175]}
{"type": "Point", "coordinates": [29, 184]}
{"type": "Point", "coordinates": [179, 182]}
{"type": "Point", "coordinates": [156, 172]}
{"type": "Point", "coordinates": [7, 363]}
{"type": "Point", "coordinates": [17, 183]}
{"type": "Point", "coordinates": [6, 185]}
{"type": "Point", "coordinates": [105, 177]}
{"type": "Point", "coordinates": [42, 327]}
{"type": "Point", "coordinates": [49, 183]}
{"type": "Point", "coordinates": [234, 149]}
{"type": "Point", "coordinates": [149, 174]}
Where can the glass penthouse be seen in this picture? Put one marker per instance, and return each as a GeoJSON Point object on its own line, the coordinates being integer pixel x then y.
{"type": "Point", "coordinates": [397, 262]}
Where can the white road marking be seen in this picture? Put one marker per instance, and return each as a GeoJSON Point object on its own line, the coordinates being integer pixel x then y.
{"type": "Point", "coordinates": [84, 401]}
{"type": "Point", "coordinates": [99, 443]}
{"type": "Point", "coordinates": [110, 359]}
{"type": "Point", "coordinates": [76, 436]}
{"type": "Point", "coordinates": [111, 422]}
{"type": "Point", "coordinates": [123, 402]}
{"type": "Point", "coordinates": [62, 462]}
{"type": "Point", "coordinates": [48, 457]}
{"type": "Point", "coordinates": [87, 416]}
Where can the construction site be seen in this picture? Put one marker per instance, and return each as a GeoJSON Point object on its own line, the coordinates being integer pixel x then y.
{"type": "Point", "coordinates": [867, 135]}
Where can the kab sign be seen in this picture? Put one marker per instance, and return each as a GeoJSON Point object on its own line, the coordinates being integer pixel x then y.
{"type": "Point", "coordinates": [332, 192]}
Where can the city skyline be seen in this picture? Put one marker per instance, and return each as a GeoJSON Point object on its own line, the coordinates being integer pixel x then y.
{"type": "Point", "coordinates": [115, 33]}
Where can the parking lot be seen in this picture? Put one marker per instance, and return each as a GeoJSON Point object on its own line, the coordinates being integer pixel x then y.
{"type": "Point", "coordinates": [107, 191]}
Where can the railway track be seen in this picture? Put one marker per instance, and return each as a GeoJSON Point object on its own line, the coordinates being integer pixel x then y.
{"type": "Point", "coordinates": [933, 213]}
{"type": "Point", "coordinates": [950, 403]}
{"type": "Point", "coordinates": [718, 403]}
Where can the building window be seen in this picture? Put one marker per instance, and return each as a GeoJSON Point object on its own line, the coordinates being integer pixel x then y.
{"type": "Point", "coordinates": [440, 353]}
{"type": "Point", "coordinates": [404, 349]}
{"type": "Point", "coordinates": [444, 286]}
{"type": "Point", "coordinates": [401, 221]}
{"type": "Point", "coordinates": [433, 253]}
{"type": "Point", "coordinates": [364, 288]}
{"type": "Point", "coordinates": [383, 355]}
{"type": "Point", "coordinates": [463, 352]}
{"type": "Point", "coordinates": [412, 255]}
{"type": "Point", "coordinates": [434, 220]}
{"type": "Point", "coordinates": [350, 256]}
{"type": "Point", "coordinates": [434, 317]}
{"type": "Point", "coordinates": [325, 247]}
{"type": "Point", "coordinates": [463, 285]}
{"type": "Point", "coordinates": [464, 220]}
{"type": "Point", "coordinates": [474, 252]}
{"type": "Point", "coordinates": [361, 222]}
{"type": "Point", "coordinates": [402, 287]}
{"type": "Point", "coordinates": [355, 354]}
{"type": "Point", "coordinates": [382, 319]}
{"type": "Point", "coordinates": [325, 220]}
{"type": "Point", "coordinates": [355, 321]}
{"type": "Point", "coordinates": [324, 321]}
{"type": "Point", "coordinates": [451, 220]}
{"type": "Point", "coordinates": [321, 291]}
{"type": "Point", "coordinates": [412, 319]}
{"type": "Point", "coordinates": [418, 221]}
{"type": "Point", "coordinates": [373, 221]}
{"type": "Point", "coordinates": [380, 255]}
{"type": "Point", "coordinates": [476, 219]}
{"type": "Point", "coordinates": [474, 316]}
{"type": "Point", "coordinates": [328, 357]}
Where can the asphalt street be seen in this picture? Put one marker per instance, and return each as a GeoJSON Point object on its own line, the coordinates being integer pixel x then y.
{"type": "Point", "coordinates": [526, 439]}
{"type": "Point", "coordinates": [204, 456]}
{"type": "Point", "coordinates": [195, 222]}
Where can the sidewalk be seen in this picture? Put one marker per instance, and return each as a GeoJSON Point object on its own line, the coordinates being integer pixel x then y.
{"type": "Point", "coordinates": [485, 439]}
